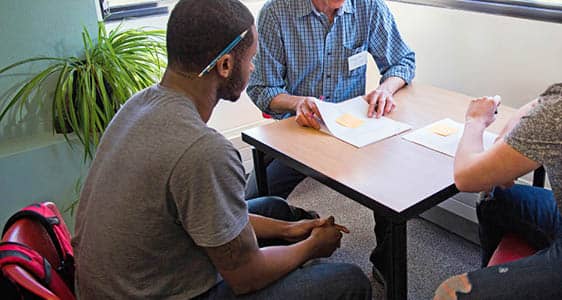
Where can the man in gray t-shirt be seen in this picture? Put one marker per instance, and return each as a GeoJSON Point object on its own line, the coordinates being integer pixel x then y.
{"type": "Point", "coordinates": [531, 139]}
{"type": "Point", "coordinates": [162, 213]}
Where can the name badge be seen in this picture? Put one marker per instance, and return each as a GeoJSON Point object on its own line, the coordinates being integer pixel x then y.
{"type": "Point", "coordinates": [357, 60]}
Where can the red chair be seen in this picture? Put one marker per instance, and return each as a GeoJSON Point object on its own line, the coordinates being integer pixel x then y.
{"type": "Point", "coordinates": [512, 247]}
{"type": "Point", "coordinates": [34, 235]}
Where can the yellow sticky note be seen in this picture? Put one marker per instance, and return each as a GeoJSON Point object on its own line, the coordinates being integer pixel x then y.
{"type": "Point", "coordinates": [348, 120]}
{"type": "Point", "coordinates": [443, 129]}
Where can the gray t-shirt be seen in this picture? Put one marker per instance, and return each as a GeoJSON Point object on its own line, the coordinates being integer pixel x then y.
{"type": "Point", "coordinates": [162, 186]}
{"type": "Point", "coordinates": [538, 136]}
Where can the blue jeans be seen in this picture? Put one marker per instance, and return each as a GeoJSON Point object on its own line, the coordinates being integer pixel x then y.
{"type": "Point", "coordinates": [282, 180]}
{"type": "Point", "coordinates": [314, 280]}
{"type": "Point", "coordinates": [531, 213]}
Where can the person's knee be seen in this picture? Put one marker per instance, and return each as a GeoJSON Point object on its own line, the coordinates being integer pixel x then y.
{"type": "Point", "coordinates": [450, 288]}
{"type": "Point", "coordinates": [352, 281]}
{"type": "Point", "coordinates": [271, 207]}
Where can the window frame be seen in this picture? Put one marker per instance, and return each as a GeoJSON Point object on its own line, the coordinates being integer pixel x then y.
{"type": "Point", "coordinates": [145, 8]}
{"type": "Point", "coordinates": [514, 8]}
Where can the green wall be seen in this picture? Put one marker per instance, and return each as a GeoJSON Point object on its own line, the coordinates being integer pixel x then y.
{"type": "Point", "coordinates": [35, 165]}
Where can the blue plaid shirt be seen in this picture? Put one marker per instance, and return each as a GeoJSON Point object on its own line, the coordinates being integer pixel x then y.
{"type": "Point", "coordinates": [301, 53]}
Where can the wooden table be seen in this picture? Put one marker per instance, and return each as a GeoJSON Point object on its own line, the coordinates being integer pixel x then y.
{"type": "Point", "coordinates": [395, 178]}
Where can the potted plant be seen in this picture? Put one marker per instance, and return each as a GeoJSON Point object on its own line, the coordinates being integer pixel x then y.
{"type": "Point", "coordinates": [90, 89]}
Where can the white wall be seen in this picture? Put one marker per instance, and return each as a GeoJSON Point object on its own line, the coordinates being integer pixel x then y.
{"type": "Point", "coordinates": [482, 54]}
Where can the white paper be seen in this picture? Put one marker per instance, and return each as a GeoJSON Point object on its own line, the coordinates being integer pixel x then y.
{"type": "Point", "coordinates": [357, 60]}
{"type": "Point", "coordinates": [372, 129]}
{"type": "Point", "coordinates": [444, 144]}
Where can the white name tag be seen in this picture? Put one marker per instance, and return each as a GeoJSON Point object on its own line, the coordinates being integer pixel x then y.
{"type": "Point", "coordinates": [357, 60]}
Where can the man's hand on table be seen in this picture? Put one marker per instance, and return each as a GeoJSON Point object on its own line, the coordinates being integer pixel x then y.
{"type": "Point", "coordinates": [380, 102]}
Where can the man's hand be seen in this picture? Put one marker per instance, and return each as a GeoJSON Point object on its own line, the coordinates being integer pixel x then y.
{"type": "Point", "coordinates": [326, 238]}
{"type": "Point", "coordinates": [301, 230]}
{"type": "Point", "coordinates": [483, 110]}
{"type": "Point", "coordinates": [380, 102]}
{"type": "Point", "coordinates": [307, 113]}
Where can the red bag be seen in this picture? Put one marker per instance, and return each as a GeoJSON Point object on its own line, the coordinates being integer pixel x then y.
{"type": "Point", "coordinates": [12, 253]}
{"type": "Point", "coordinates": [58, 232]}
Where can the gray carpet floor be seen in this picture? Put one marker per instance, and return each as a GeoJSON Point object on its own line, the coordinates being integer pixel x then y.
{"type": "Point", "coordinates": [434, 254]}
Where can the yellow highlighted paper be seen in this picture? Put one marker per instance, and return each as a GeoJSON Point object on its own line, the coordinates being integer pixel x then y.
{"type": "Point", "coordinates": [443, 129]}
{"type": "Point", "coordinates": [348, 120]}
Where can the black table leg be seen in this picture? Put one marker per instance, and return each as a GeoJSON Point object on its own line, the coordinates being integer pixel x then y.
{"type": "Point", "coordinates": [397, 284]}
{"type": "Point", "coordinates": [539, 177]}
{"type": "Point", "coordinates": [261, 173]}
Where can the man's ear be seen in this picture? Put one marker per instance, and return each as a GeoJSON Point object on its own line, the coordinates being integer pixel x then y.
{"type": "Point", "coordinates": [225, 65]}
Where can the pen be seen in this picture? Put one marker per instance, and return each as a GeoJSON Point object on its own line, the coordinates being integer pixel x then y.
{"type": "Point", "coordinates": [497, 98]}
{"type": "Point", "coordinates": [223, 52]}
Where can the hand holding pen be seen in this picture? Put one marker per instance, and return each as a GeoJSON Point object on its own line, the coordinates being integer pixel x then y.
{"type": "Point", "coordinates": [308, 114]}
{"type": "Point", "coordinates": [483, 110]}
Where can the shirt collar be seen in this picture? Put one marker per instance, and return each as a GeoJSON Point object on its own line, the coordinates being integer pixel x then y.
{"type": "Point", "coordinates": [305, 8]}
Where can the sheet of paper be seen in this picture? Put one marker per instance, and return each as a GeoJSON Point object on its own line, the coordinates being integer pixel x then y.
{"type": "Point", "coordinates": [432, 136]}
{"type": "Point", "coordinates": [369, 131]}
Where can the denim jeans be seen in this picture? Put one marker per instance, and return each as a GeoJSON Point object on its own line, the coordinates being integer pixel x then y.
{"type": "Point", "coordinates": [282, 180]}
{"type": "Point", "coordinates": [314, 280]}
{"type": "Point", "coordinates": [531, 213]}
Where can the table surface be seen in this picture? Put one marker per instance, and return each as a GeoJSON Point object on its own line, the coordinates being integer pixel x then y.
{"type": "Point", "coordinates": [394, 176]}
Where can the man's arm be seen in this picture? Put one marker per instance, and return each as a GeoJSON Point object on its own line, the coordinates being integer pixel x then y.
{"type": "Point", "coordinates": [395, 60]}
{"type": "Point", "coordinates": [477, 170]}
{"type": "Point", "coordinates": [268, 79]}
{"type": "Point", "coordinates": [247, 268]}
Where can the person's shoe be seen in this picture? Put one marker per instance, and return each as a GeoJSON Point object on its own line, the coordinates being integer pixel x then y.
{"type": "Point", "coordinates": [301, 214]}
{"type": "Point", "coordinates": [313, 214]}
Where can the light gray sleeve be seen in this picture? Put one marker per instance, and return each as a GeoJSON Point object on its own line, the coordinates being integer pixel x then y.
{"type": "Point", "coordinates": [207, 186]}
{"type": "Point", "coordinates": [538, 135]}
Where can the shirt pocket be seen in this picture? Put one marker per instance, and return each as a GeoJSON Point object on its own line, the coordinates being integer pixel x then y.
{"type": "Point", "coordinates": [349, 52]}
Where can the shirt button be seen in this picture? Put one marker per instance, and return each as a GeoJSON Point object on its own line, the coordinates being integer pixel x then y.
{"type": "Point", "coordinates": [329, 53]}
{"type": "Point", "coordinates": [328, 76]}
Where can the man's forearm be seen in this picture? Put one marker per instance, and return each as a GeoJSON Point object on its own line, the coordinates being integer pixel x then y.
{"type": "Point", "coordinates": [284, 103]}
{"type": "Point", "coordinates": [275, 262]}
{"type": "Point", "coordinates": [267, 228]}
{"type": "Point", "coordinates": [392, 84]}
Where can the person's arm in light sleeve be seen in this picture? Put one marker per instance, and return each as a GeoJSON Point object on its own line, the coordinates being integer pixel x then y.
{"type": "Point", "coordinates": [395, 60]}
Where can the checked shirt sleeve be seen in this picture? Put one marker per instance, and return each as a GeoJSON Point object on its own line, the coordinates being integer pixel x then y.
{"type": "Point", "coordinates": [393, 57]}
{"type": "Point", "coordinates": [267, 81]}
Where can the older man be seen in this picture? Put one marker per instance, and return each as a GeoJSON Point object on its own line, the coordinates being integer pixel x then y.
{"type": "Point", "coordinates": [318, 49]}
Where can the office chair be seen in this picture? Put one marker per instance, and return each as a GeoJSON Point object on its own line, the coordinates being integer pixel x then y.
{"type": "Point", "coordinates": [512, 247]}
